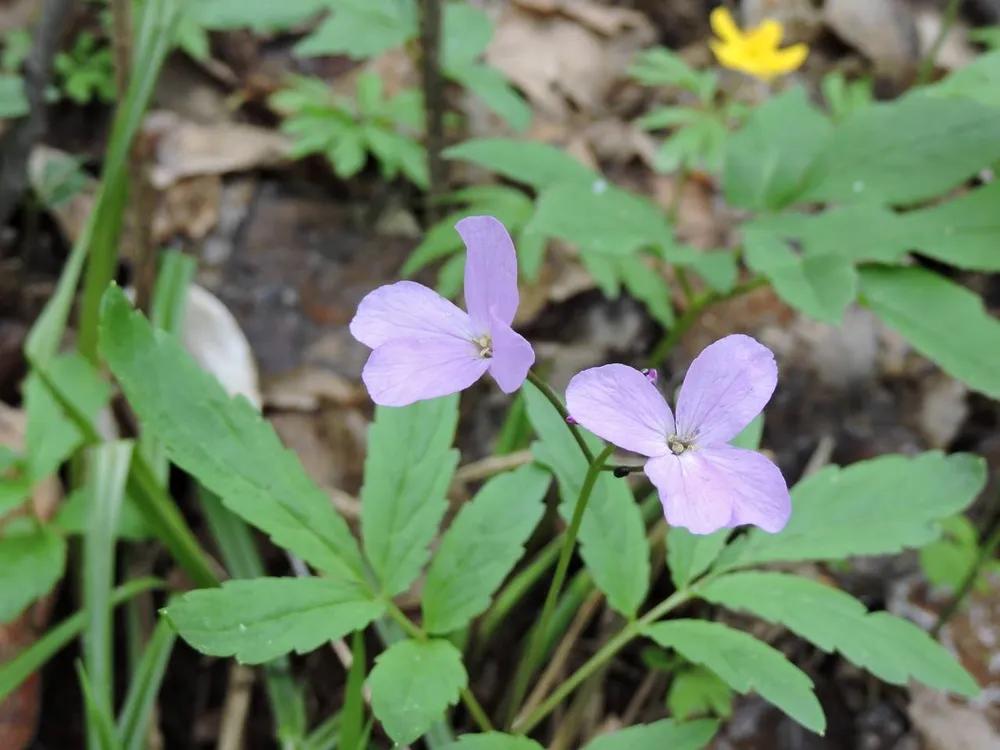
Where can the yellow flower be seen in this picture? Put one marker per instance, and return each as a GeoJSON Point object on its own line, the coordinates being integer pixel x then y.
{"type": "Point", "coordinates": [754, 52]}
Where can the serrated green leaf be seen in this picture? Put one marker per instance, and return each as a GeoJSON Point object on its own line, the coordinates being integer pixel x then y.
{"type": "Point", "coordinates": [492, 741]}
{"type": "Point", "coordinates": [409, 466]}
{"type": "Point", "coordinates": [943, 321]}
{"type": "Point", "coordinates": [892, 649]}
{"type": "Point", "coordinates": [699, 692]}
{"type": "Point", "coordinates": [718, 268]}
{"type": "Point", "coordinates": [361, 29]}
{"type": "Point", "coordinates": [31, 562]}
{"type": "Point", "coordinates": [894, 153]}
{"type": "Point", "coordinates": [767, 158]}
{"type": "Point", "coordinates": [259, 15]}
{"type": "Point", "coordinates": [223, 442]}
{"type": "Point", "coordinates": [603, 269]}
{"type": "Point", "coordinates": [530, 254]}
{"type": "Point", "coordinates": [529, 162]}
{"type": "Point", "coordinates": [612, 534]}
{"type": "Point", "coordinates": [413, 683]}
{"type": "Point", "coordinates": [964, 232]}
{"type": "Point", "coordinates": [745, 664]}
{"type": "Point", "coordinates": [668, 117]}
{"type": "Point", "coordinates": [481, 547]}
{"type": "Point", "coordinates": [875, 507]}
{"type": "Point", "coordinates": [259, 619]}
{"type": "Point", "coordinates": [821, 286]}
{"type": "Point", "coordinates": [662, 66]}
{"type": "Point", "coordinates": [599, 217]}
{"type": "Point", "coordinates": [667, 733]}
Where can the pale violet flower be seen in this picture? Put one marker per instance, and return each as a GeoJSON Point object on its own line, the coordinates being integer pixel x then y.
{"type": "Point", "coordinates": [704, 483]}
{"type": "Point", "coordinates": [424, 346]}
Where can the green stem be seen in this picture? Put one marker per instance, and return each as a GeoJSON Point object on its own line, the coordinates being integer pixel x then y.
{"type": "Point", "coordinates": [417, 633]}
{"type": "Point", "coordinates": [558, 405]}
{"type": "Point", "coordinates": [607, 652]}
{"type": "Point", "coordinates": [986, 553]}
{"type": "Point", "coordinates": [674, 335]}
{"type": "Point", "coordinates": [927, 64]}
{"type": "Point", "coordinates": [527, 666]}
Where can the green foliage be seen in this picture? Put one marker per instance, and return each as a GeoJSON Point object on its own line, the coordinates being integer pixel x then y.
{"type": "Point", "coordinates": [697, 691]}
{"type": "Point", "coordinates": [875, 507]}
{"type": "Point", "coordinates": [87, 71]}
{"type": "Point", "coordinates": [257, 15]}
{"type": "Point", "coordinates": [224, 442]}
{"type": "Point", "coordinates": [962, 232]}
{"type": "Point", "coordinates": [844, 99]}
{"type": "Point", "coordinates": [466, 32]}
{"type": "Point", "coordinates": [492, 741]}
{"type": "Point", "coordinates": [345, 132]}
{"type": "Point", "coordinates": [71, 518]}
{"type": "Point", "coordinates": [957, 332]}
{"type": "Point", "coordinates": [509, 205]}
{"type": "Point", "coordinates": [767, 158]}
{"type": "Point", "coordinates": [409, 466]}
{"type": "Point", "coordinates": [612, 534]}
{"type": "Point", "coordinates": [32, 560]}
{"type": "Point", "coordinates": [949, 560]}
{"type": "Point", "coordinates": [893, 649]}
{"type": "Point", "coordinates": [689, 555]}
{"type": "Point", "coordinates": [667, 733]}
{"type": "Point", "coordinates": [745, 664]}
{"type": "Point", "coordinates": [481, 547]}
{"type": "Point", "coordinates": [531, 163]}
{"type": "Point", "coordinates": [413, 683]}
{"type": "Point", "coordinates": [13, 102]}
{"type": "Point", "coordinates": [361, 28]}
{"type": "Point", "coordinates": [894, 153]}
{"type": "Point", "coordinates": [259, 619]}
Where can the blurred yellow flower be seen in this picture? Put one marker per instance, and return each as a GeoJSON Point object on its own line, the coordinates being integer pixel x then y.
{"type": "Point", "coordinates": [754, 52]}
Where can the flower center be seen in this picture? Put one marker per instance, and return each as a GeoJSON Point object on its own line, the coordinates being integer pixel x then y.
{"type": "Point", "coordinates": [485, 344]}
{"type": "Point", "coordinates": [679, 445]}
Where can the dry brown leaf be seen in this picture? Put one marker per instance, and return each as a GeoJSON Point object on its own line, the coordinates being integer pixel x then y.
{"type": "Point", "coordinates": [185, 148]}
{"type": "Point", "coordinates": [885, 32]}
{"type": "Point", "coordinates": [308, 387]}
{"type": "Point", "coordinates": [560, 64]}
{"type": "Point", "coordinates": [604, 19]}
{"type": "Point", "coordinates": [17, 15]}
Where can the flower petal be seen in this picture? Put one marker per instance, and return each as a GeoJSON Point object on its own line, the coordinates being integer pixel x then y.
{"type": "Point", "coordinates": [721, 486]}
{"type": "Point", "coordinates": [764, 38]}
{"type": "Point", "coordinates": [512, 357]}
{"type": "Point", "coordinates": [404, 371]}
{"type": "Point", "coordinates": [724, 26]}
{"type": "Point", "coordinates": [619, 404]}
{"type": "Point", "coordinates": [727, 385]}
{"type": "Point", "coordinates": [407, 309]}
{"type": "Point", "coordinates": [490, 271]}
{"type": "Point", "coordinates": [791, 58]}
{"type": "Point", "coordinates": [732, 56]}
{"type": "Point", "coordinates": [690, 492]}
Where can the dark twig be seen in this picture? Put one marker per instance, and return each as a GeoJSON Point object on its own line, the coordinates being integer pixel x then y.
{"type": "Point", "coordinates": [434, 103]}
{"type": "Point", "coordinates": [17, 144]}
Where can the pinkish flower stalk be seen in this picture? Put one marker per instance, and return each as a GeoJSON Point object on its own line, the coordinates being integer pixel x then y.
{"type": "Point", "coordinates": [424, 346]}
{"type": "Point", "coordinates": [704, 483]}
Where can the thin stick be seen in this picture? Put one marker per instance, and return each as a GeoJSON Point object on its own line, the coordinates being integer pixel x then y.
{"type": "Point", "coordinates": [434, 103]}
{"type": "Point", "coordinates": [487, 467]}
{"type": "Point", "coordinates": [235, 708]}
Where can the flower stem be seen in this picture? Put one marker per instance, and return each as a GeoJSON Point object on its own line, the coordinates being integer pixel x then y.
{"type": "Point", "coordinates": [535, 644]}
{"type": "Point", "coordinates": [688, 319]}
{"type": "Point", "coordinates": [417, 633]}
{"type": "Point", "coordinates": [607, 652]}
{"type": "Point", "coordinates": [558, 404]}
{"type": "Point", "coordinates": [927, 64]}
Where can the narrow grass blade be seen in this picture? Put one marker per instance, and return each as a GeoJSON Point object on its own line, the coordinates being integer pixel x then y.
{"type": "Point", "coordinates": [134, 719]}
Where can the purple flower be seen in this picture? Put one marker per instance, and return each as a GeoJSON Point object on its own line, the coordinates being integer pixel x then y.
{"type": "Point", "coordinates": [425, 347]}
{"type": "Point", "coordinates": [705, 484]}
